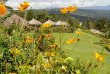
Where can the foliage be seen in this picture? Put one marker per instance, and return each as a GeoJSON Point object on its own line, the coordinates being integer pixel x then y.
{"type": "Point", "coordinates": [38, 53]}
{"type": "Point", "coordinates": [28, 16]}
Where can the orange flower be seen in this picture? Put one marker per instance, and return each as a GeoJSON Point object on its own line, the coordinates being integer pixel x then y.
{"type": "Point", "coordinates": [48, 35]}
{"type": "Point", "coordinates": [69, 9]}
{"type": "Point", "coordinates": [98, 57]}
{"type": "Point", "coordinates": [70, 41]}
{"type": "Point", "coordinates": [105, 25]}
{"type": "Point", "coordinates": [39, 39]}
{"type": "Point", "coordinates": [101, 58]}
{"type": "Point", "coordinates": [78, 32]}
{"type": "Point", "coordinates": [48, 53]}
{"type": "Point", "coordinates": [46, 25]}
{"type": "Point", "coordinates": [52, 46]}
{"type": "Point", "coordinates": [27, 41]}
{"type": "Point", "coordinates": [24, 6]}
{"type": "Point", "coordinates": [16, 51]}
{"type": "Point", "coordinates": [38, 70]}
{"type": "Point", "coordinates": [2, 8]}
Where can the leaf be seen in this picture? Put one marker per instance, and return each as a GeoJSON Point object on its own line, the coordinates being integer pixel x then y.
{"type": "Point", "coordinates": [68, 59]}
{"type": "Point", "coordinates": [78, 71]}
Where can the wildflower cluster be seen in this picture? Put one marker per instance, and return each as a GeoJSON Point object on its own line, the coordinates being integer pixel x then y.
{"type": "Point", "coordinates": [98, 57]}
{"type": "Point", "coordinates": [33, 52]}
{"type": "Point", "coordinates": [70, 41]}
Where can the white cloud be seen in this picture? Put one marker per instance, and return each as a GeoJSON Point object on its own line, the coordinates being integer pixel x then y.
{"type": "Point", "coordinates": [40, 4]}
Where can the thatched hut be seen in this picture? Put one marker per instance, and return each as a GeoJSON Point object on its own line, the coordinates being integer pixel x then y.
{"type": "Point", "coordinates": [51, 22]}
{"type": "Point", "coordinates": [60, 23]}
{"type": "Point", "coordinates": [15, 19]}
{"type": "Point", "coordinates": [34, 22]}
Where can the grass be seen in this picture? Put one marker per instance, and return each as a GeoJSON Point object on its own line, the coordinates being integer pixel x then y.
{"type": "Point", "coordinates": [85, 49]}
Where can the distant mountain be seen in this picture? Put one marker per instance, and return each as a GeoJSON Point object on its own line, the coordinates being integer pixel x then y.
{"type": "Point", "coordinates": [84, 14]}
{"type": "Point", "coordinates": [97, 7]}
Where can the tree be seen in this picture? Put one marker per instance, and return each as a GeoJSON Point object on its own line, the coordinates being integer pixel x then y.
{"type": "Point", "coordinates": [53, 17]}
{"type": "Point", "coordinates": [19, 13]}
{"type": "Point", "coordinates": [36, 14]}
{"type": "Point", "coordinates": [42, 16]}
{"type": "Point", "coordinates": [30, 15]}
{"type": "Point", "coordinates": [100, 23]}
{"type": "Point", "coordinates": [90, 24]}
{"type": "Point", "coordinates": [62, 17]}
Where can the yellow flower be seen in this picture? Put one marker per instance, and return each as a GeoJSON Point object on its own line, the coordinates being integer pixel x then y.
{"type": "Point", "coordinates": [98, 57]}
{"type": "Point", "coordinates": [56, 44]}
{"type": "Point", "coordinates": [48, 35]}
{"type": "Point", "coordinates": [29, 66]}
{"type": "Point", "coordinates": [46, 25]}
{"type": "Point", "coordinates": [12, 73]}
{"type": "Point", "coordinates": [2, 8]}
{"type": "Point", "coordinates": [52, 54]}
{"type": "Point", "coordinates": [24, 6]}
{"type": "Point", "coordinates": [64, 10]}
{"type": "Point", "coordinates": [47, 65]}
{"type": "Point", "coordinates": [16, 51]}
{"type": "Point", "coordinates": [69, 9]}
{"type": "Point", "coordinates": [70, 41]}
{"type": "Point", "coordinates": [74, 8]}
{"type": "Point", "coordinates": [78, 32]}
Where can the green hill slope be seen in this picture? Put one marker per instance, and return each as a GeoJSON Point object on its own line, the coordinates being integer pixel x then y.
{"type": "Point", "coordinates": [84, 14]}
{"type": "Point", "coordinates": [85, 49]}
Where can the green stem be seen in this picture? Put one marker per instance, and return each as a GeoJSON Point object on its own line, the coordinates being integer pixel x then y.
{"type": "Point", "coordinates": [23, 22]}
{"type": "Point", "coordinates": [75, 44]}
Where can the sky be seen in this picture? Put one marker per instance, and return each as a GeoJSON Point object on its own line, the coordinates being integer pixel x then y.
{"type": "Point", "coordinates": [42, 4]}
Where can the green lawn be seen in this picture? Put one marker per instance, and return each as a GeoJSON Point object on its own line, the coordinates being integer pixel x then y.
{"type": "Point", "coordinates": [85, 48]}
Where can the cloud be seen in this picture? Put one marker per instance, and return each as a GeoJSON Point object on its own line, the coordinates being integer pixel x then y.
{"type": "Point", "coordinates": [41, 4]}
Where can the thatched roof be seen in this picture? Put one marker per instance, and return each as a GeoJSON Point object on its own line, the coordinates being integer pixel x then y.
{"type": "Point", "coordinates": [95, 31]}
{"type": "Point", "coordinates": [51, 22]}
{"type": "Point", "coordinates": [15, 19]}
{"type": "Point", "coordinates": [34, 22]}
{"type": "Point", "coordinates": [60, 23]}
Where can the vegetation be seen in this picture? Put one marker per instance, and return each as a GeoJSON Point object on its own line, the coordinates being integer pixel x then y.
{"type": "Point", "coordinates": [32, 50]}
